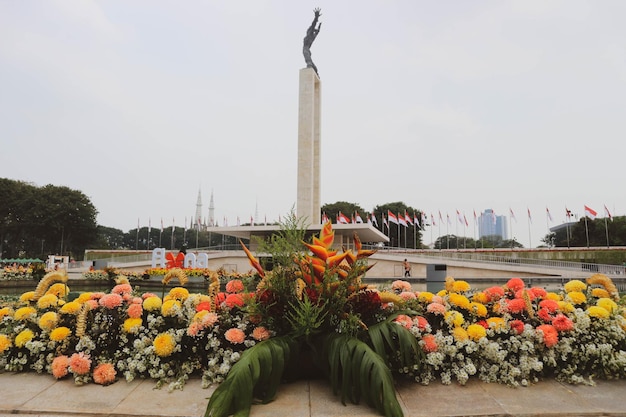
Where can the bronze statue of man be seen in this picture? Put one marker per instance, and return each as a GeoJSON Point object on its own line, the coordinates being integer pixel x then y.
{"type": "Point", "coordinates": [311, 34]}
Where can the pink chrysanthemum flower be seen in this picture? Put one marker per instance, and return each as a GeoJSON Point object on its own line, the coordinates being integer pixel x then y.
{"type": "Point", "coordinates": [235, 336]}
{"type": "Point", "coordinates": [80, 363]}
{"type": "Point", "coordinates": [436, 308]}
{"type": "Point", "coordinates": [406, 295]}
{"type": "Point", "coordinates": [59, 366]}
{"type": "Point", "coordinates": [135, 311]}
{"type": "Point", "coordinates": [400, 285]}
{"type": "Point", "coordinates": [122, 289]}
{"type": "Point", "coordinates": [194, 329]}
{"type": "Point", "coordinates": [104, 374]}
{"type": "Point", "coordinates": [111, 301]}
{"type": "Point", "coordinates": [234, 300]}
{"type": "Point", "coordinates": [147, 295]}
{"type": "Point", "coordinates": [97, 295]}
{"type": "Point", "coordinates": [421, 322]}
{"type": "Point", "coordinates": [404, 321]}
{"type": "Point", "coordinates": [93, 304]}
{"type": "Point", "coordinates": [209, 319]}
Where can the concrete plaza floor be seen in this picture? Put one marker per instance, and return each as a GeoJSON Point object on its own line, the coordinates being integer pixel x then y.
{"type": "Point", "coordinates": [41, 395]}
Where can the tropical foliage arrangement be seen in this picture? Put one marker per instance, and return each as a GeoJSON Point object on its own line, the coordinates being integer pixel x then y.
{"type": "Point", "coordinates": [312, 308]}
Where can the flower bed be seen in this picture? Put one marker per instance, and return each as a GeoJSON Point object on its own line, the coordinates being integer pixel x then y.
{"type": "Point", "coordinates": [313, 305]}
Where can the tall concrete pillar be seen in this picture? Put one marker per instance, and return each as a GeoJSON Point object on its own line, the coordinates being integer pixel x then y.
{"type": "Point", "coordinates": [309, 117]}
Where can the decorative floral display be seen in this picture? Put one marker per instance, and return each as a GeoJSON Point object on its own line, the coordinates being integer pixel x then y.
{"type": "Point", "coordinates": [312, 313]}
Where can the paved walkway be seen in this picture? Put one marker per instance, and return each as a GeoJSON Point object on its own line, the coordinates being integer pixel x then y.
{"type": "Point", "coordinates": [41, 395]}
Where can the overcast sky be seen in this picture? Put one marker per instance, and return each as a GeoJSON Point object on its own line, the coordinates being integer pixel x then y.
{"type": "Point", "coordinates": [450, 105]}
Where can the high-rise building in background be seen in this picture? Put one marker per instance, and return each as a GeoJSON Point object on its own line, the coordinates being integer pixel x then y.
{"type": "Point", "coordinates": [490, 224]}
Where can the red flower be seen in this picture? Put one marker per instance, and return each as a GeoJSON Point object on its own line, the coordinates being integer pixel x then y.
{"type": "Point", "coordinates": [516, 305]}
{"type": "Point", "coordinates": [205, 305]}
{"type": "Point", "coordinates": [517, 326]}
{"type": "Point", "coordinates": [562, 323]}
{"type": "Point", "coordinates": [549, 305]}
{"type": "Point", "coordinates": [515, 284]}
{"type": "Point", "coordinates": [494, 293]}
{"type": "Point", "coordinates": [550, 335]}
{"type": "Point", "coordinates": [483, 323]}
{"type": "Point", "coordinates": [234, 300]}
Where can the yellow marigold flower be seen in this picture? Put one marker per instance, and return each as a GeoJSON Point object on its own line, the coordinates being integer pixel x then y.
{"type": "Point", "coordinates": [83, 297]}
{"type": "Point", "coordinates": [58, 289]}
{"type": "Point", "coordinates": [479, 309]}
{"type": "Point", "coordinates": [179, 293]}
{"type": "Point", "coordinates": [164, 344]}
{"type": "Point", "coordinates": [601, 279]}
{"type": "Point", "coordinates": [48, 320]}
{"type": "Point", "coordinates": [132, 325]}
{"type": "Point", "coordinates": [27, 296]}
{"type": "Point", "coordinates": [60, 333]}
{"type": "Point", "coordinates": [459, 301]}
{"type": "Point", "coordinates": [607, 304]}
{"type": "Point", "coordinates": [152, 303]}
{"type": "Point", "coordinates": [496, 323]}
{"type": "Point", "coordinates": [576, 297]}
{"type": "Point", "coordinates": [24, 313]}
{"type": "Point", "coordinates": [565, 307]}
{"type": "Point", "coordinates": [73, 307]}
{"type": "Point", "coordinates": [449, 283]}
{"type": "Point", "coordinates": [23, 337]}
{"type": "Point", "coordinates": [426, 296]}
{"type": "Point", "coordinates": [47, 301]}
{"type": "Point", "coordinates": [598, 312]}
{"type": "Point", "coordinates": [442, 293]}
{"type": "Point", "coordinates": [170, 307]}
{"type": "Point", "coordinates": [480, 297]}
{"type": "Point", "coordinates": [575, 285]}
{"type": "Point", "coordinates": [600, 293]}
{"type": "Point", "coordinates": [389, 297]}
{"type": "Point", "coordinates": [197, 318]}
{"type": "Point", "coordinates": [476, 332]}
{"type": "Point", "coordinates": [5, 342]}
{"type": "Point", "coordinates": [5, 311]}
{"type": "Point", "coordinates": [454, 318]}
{"type": "Point", "coordinates": [553, 296]}
{"type": "Point", "coordinates": [459, 334]}
{"type": "Point", "coordinates": [460, 286]}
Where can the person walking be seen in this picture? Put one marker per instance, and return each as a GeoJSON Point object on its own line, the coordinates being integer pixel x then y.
{"type": "Point", "coordinates": [407, 269]}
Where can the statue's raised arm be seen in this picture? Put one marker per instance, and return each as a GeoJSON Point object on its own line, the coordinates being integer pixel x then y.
{"type": "Point", "coordinates": [311, 34]}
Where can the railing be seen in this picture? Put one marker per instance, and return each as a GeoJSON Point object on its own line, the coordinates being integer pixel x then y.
{"type": "Point", "coordinates": [509, 260]}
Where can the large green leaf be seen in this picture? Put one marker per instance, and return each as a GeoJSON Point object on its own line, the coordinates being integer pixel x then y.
{"type": "Point", "coordinates": [357, 371]}
{"type": "Point", "coordinates": [257, 374]}
{"type": "Point", "coordinates": [392, 341]}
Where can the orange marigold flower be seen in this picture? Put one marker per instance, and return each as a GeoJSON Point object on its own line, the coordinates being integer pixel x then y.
{"type": "Point", "coordinates": [80, 363]}
{"type": "Point", "coordinates": [234, 300]}
{"type": "Point", "coordinates": [515, 284]}
{"type": "Point", "coordinates": [430, 344]}
{"type": "Point", "coordinates": [404, 321]}
{"type": "Point", "coordinates": [562, 323]}
{"type": "Point", "coordinates": [517, 326]}
{"type": "Point", "coordinates": [260, 333]}
{"type": "Point", "coordinates": [234, 286]}
{"type": "Point", "coordinates": [104, 374]}
{"type": "Point", "coordinates": [59, 366]}
{"type": "Point", "coordinates": [550, 335]}
{"type": "Point", "coordinates": [235, 336]}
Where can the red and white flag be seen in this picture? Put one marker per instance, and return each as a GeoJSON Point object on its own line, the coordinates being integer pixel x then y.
{"type": "Point", "coordinates": [512, 214]}
{"type": "Point", "coordinates": [385, 221]}
{"type": "Point", "coordinates": [530, 219]}
{"type": "Point", "coordinates": [493, 217]}
{"type": "Point", "coordinates": [161, 224]}
{"type": "Point", "coordinates": [608, 213]}
{"type": "Point", "coordinates": [432, 220]}
{"type": "Point", "coordinates": [342, 218]}
{"type": "Point", "coordinates": [448, 218]}
{"type": "Point", "coordinates": [358, 218]}
{"type": "Point", "coordinates": [324, 218]}
{"type": "Point", "coordinates": [459, 216]}
{"type": "Point", "coordinates": [392, 217]}
{"type": "Point", "coordinates": [407, 218]}
{"type": "Point", "coordinates": [402, 220]}
{"type": "Point", "coordinates": [374, 221]}
{"type": "Point", "coordinates": [548, 214]}
{"type": "Point", "coordinates": [465, 220]}
{"type": "Point", "coordinates": [591, 213]}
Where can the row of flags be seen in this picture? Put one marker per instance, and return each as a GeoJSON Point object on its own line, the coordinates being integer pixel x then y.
{"type": "Point", "coordinates": [406, 219]}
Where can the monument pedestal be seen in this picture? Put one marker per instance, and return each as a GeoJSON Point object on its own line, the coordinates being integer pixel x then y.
{"type": "Point", "coordinates": [308, 203]}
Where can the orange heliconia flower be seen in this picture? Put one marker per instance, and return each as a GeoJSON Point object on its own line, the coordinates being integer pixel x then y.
{"type": "Point", "coordinates": [253, 261]}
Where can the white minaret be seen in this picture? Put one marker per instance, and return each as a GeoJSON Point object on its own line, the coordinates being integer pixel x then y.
{"type": "Point", "coordinates": [197, 221]}
{"type": "Point", "coordinates": [211, 211]}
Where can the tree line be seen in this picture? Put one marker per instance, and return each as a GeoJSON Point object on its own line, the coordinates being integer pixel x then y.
{"type": "Point", "coordinates": [38, 221]}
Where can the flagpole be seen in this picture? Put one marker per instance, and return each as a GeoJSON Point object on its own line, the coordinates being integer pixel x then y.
{"type": "Point", "coordinates": [606, 227]}
{"type": "Point", "coordinates": [137, 239]}
{"type": "Point", "coordinates": [586, 230]}
{"type": "Point", "coordinates": [530, 242]}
